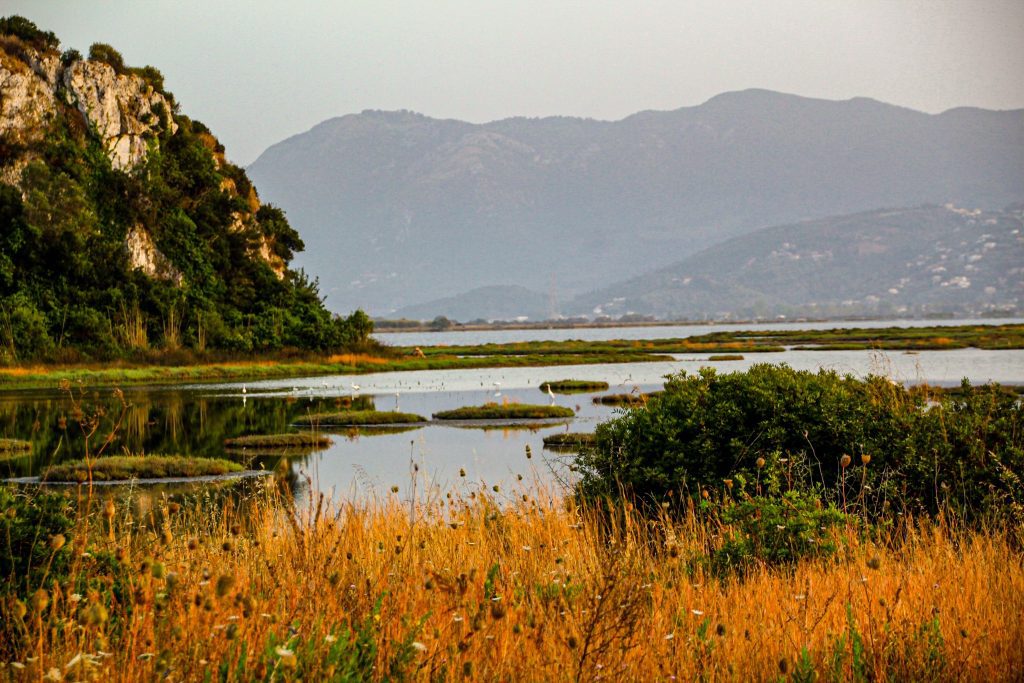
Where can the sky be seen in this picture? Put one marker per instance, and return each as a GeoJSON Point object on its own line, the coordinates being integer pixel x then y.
{"type": "Point", "coordinates": [259, 71]}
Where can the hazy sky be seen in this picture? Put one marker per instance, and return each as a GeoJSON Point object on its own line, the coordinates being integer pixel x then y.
{"type": "Point", "coordinates": [257, 71]}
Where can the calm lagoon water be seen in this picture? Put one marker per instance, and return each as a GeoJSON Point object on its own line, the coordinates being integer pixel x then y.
{"type": "Point", "coordinates": [194, 420]}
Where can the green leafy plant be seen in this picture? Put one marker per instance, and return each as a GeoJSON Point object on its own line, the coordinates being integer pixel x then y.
{"type": "Point", "coordinates": [775, 530]}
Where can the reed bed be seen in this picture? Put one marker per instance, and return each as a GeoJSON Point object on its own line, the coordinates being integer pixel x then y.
{"type": "Point", "coordinates": [495, 585]}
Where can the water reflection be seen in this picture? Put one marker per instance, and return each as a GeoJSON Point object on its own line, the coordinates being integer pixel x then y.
{"type": "Point", "coordinates": [371, 461]}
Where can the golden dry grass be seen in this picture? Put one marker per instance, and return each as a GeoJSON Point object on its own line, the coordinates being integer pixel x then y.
{"type": "Point", "coordinates": [567, 599]}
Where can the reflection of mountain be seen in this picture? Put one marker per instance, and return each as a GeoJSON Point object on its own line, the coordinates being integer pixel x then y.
{"type": "Point", "coordinates": [397, 208]}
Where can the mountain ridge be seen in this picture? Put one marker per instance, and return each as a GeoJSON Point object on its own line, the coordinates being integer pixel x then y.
{"type": "Point", "coordinates": [399, 208]}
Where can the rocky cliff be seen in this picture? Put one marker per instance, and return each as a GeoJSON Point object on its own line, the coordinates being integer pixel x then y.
{"type": "Point", "coordinates": [122, 111]}
{"type": "Point", "coordinates": [122, 224]}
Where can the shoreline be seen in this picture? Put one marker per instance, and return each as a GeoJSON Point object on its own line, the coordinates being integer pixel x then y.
{"type": "Point", "coordinates": [522, 354]}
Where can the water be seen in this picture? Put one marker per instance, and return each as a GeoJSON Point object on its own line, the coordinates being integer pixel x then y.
{"type": "Point", "coordinates": [194, 420]}
{"type": "Point", "coordinates": [472, 337]}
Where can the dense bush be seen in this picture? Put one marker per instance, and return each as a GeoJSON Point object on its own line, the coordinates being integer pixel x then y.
{"type": "Point", "coordinates": [101, 52]}
{"type": "Point", "coordinates": [28, 32]}
{"type": "Point", "coordinates": [865, 442]}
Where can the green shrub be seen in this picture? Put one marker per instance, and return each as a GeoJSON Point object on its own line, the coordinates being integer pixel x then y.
{"type": "Point", "coordinates": [23, 330]}
{"type": "Point", "coordinates": [868, 443]}
{"type": "Point", "coordinates": [28, 32]}
{"type": "Point", "coordinates": [775, 530]}
{"type": "Point", "coordinates": [69, 57]}
{"type": "Point", "coordinates": [101, 52]}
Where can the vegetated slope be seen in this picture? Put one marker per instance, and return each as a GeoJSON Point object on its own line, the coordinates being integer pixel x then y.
{"type": "Point", "coordinates": [122, 224]}
{"type": "Point", "coordinates": [399, 208]}
{"type": "Point", "coordinates": [887, 262]}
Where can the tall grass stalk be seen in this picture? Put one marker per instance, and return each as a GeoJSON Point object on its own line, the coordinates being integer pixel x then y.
{"type": "Point", "coordinates": [131, 327]}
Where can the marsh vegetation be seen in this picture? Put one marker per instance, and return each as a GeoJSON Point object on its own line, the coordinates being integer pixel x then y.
{"type": "Point", "coordinates": [304, 440]}
{"type": "Point", "coordinates": [127, 467]}
{"type": "Point", "coordinates": [574, 386]}
{"type": "Point", "coordinates": [505, 411]}
{"type": "Point", "coordinates": [358, 418]}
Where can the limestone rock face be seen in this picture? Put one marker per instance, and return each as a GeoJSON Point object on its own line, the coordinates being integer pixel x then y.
{"type": "Point", "coordinates": [124, 110]}
{"type": "Point", "coordinates": [26, 101]}
{"type": "Point", "coordinates": [144, 255]}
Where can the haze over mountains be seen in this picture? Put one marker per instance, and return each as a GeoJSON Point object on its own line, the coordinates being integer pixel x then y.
{"type": "Point", "coordinates": [397, 209]}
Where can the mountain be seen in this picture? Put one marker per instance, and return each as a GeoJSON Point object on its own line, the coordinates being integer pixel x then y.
{"type": "Point", "coordinates": [399, 208]}
{"type": "Point", "coordinates": [915, 261]}
{"type": "Point", "coordinates": [123, 226]}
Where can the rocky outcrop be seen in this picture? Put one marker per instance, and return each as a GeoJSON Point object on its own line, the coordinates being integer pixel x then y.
{"type": "Point", "coordinates": [27, 105]}
{"type": "Point", "coordinates": [265, 247]}
{"type": "Point", "coordinates": [144, 255]}
{"type": "Point", "coordinates": [123, 110]}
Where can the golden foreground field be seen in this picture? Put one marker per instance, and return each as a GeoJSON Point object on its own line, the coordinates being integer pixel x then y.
{"type": "Point", "coordinates": [534, 589]}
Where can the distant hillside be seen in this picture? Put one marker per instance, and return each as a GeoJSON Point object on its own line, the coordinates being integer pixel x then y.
{"type": "Point", "coordinates": [398, 208]}
{"type": "Point", "coordinates": [499, 303]}
{"type": "Point", "coordinates": [124, 228]}
{"type": "Point", "coordinates": [889, 262]}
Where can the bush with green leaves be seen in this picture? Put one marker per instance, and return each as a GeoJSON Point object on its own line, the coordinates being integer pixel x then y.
{"type": "Point", "coordinates": [775, 530]}
{"type": "Point", "coordinates": [864, 443]}
{"type": "Point", "coordinates": [26, 31]}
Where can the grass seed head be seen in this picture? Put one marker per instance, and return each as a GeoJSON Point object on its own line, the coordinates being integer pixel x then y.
{"type": "Point", "coordinates": [40, 600]}
{"type": "Point", "coordinates": [225, 582]}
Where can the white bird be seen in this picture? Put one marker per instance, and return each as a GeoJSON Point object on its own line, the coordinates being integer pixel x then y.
{"type": "Point", "coordinates": [396, 401]}
{"type": "Point", "coordinates": [355, 387]}
{"type": "Point", "coordinates": [497, 388]}
{"type": "Point", "coordinates": [551, 394]}
{"type": "Point", "coordinates": [243, 388]}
